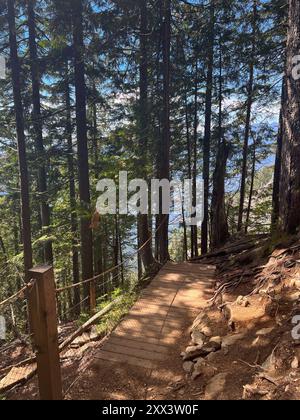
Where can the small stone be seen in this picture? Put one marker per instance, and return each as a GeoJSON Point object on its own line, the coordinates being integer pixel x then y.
{"type": "Point", "coordinates": [230, 340]}
{"type": "Point", "coordinates": [264, 331]}
{"type": "Point", "coordinates": [295, 363]}
{"type": "Point", "coordinates": [188, 367]}
{"type": "Point", "coordinates": [217, 340]}
{"type": "Point", "coordinates": [194, 352]}
{"type": "Point", "coordinates": [212, 347]}
{"type": "Point", "coordinates": [295, 297]}
{"type": "Point", "coordinates": [191, 349]}
{"type": "Point", "coordinates": [198, 338]}
{"type": "Point", "coordinates": [203, 325]}
{"type": "Point", "coordinates": [242, 301]}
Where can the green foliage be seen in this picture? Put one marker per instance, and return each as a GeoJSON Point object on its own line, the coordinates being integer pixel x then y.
{"type": "Point", "coordinates": [109, 321]}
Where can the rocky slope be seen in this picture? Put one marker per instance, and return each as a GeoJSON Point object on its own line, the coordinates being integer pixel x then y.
{"type": "Point", "coordinates": [246, 343]}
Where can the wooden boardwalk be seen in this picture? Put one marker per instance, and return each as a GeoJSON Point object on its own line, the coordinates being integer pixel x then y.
{"type": "Point", "coordinates": [150, 331]}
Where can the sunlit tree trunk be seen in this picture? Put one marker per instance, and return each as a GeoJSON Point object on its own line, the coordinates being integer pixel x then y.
{"type": "Point", "coordinates": [82, 150]}
{"type": "Point", "coordinates": [166, 135]}
{"type": "Point", "coordinates": [38, 132]}
{"type": "Point", "coordinates": [18, 106]}
{"type": "Point", "coordinates": [207, 129]}
{"type": "Point", "coordinates": [289, 198]}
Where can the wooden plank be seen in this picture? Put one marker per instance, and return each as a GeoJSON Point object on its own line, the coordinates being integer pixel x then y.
{"type": "Point", "coordinates": [133, 352]}
{"type": "Point", "coordinates": [140, 323]}
{"type": "Point", "coordinates": [122, 358]}
{"type": "Point", "coordinates": [124, 332]}
{"type": "Point", "coordinates": [17, 376]}
{"type": "Point", "coordinates": [122, 335]}
{"type": "Point", "coordinates": [140, 345]}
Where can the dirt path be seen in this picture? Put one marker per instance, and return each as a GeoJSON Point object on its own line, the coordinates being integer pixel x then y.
{"type": "Point", "coordinates": [141, 358]}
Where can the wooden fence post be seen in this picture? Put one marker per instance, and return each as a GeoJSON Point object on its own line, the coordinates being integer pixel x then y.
{"type": "Point", "coordinates": [43, 317]}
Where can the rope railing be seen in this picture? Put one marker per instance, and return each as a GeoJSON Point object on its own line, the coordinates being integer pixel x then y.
{"type": "Point", "coordinates": [137, 252]}
{"type": "Point", "coordinates": [18, 295]}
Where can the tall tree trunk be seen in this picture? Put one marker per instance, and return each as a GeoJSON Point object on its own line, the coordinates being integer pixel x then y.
{"type": "Point", "coordinates": [116, 253]}
{"type": "Point", "coordinates": [95, 132]}
{"type": "Point", "coordinates": [207, 130]}
{"type": "Point", "coordinates": [189, 154]}
{"type": "Point", "coordinates": [144, 231]}
{"type": "Point", "coordinates": [250, 91]}
{"type": "Point", "coordinates": [82, 149]}
{"type": "Point", "coordinates": [194, 229]}
{"type": "Point", "coordinates": [16, 231]}
{"type": "Point", "coordinates": [219, 220]}
{"type": "Point", "coordinates": [220, 121]}
{"type": "Point", "coordinates": [289, 200]}
{"type": "Point", "coordinates": [72, 193]}
{"type": "Point", "coordinates": [220, 233]}
{"type": "Point", "coordinates": [159, 119]}
{"type": "Point", "coordinates": [251, 188]}
{"type": "Point", "coordinates": [139, 258]}
{"type": "Point", "coordinates": [105, 258]}
{"type": "Point", "coordinates": [38, 131]}
{"type": "Point", "coordinates": [166, 135]}
{"type": "Point", "coordinates": [185, 237]}
{"type": "Point", "coordinates": [122, 268]}
{"type": "Point", "coordinates": [278, 163]}
{"type": "Point", "coordinates": [2, 248]}
{"type": "Point", "coordinates": [24, 178]}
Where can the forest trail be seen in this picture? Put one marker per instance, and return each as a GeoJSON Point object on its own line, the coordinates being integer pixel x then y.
{"type": "Point", "coordinates": [140, 359]}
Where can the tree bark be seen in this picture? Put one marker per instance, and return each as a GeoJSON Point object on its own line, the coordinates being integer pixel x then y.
{"type": "Point", "coordinates": [22, 156]}
{"type": "Point", "coordinates": [2, 248]}
{"type": "Point", "coordinates": [185, 237]}
{"type": "Point", "coordinates": [166, 135]}
{"type": "Point", "coordinates": [83, 161]}
{"type": "Point", "coordinates": [38, 132]}
{"type": "Point", "coordinates": [189, 154]}
{"type": "Point", "coordinates": [278, 164]}
{"type": "Point", "coordinates": [207, 131]}
{"type": "Point", "coordinates": [72, 194]}
{"type": "Point", "coordinates": [194, 229]}
{"type": "Point", "coordinates": [249, 104]}
{"type": "Point", "coordinates": [116, 249]}
{"type": "Point", "coordinates": [251, 188]}
{"type": "Point", "coordinates": [289, 214]}
{"type": "Point", "coordinates": [144, 231]}
{"type": "Point", "coordinates": [139, 258]}
{"type": "Point", "coordinates": [219, 225]}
